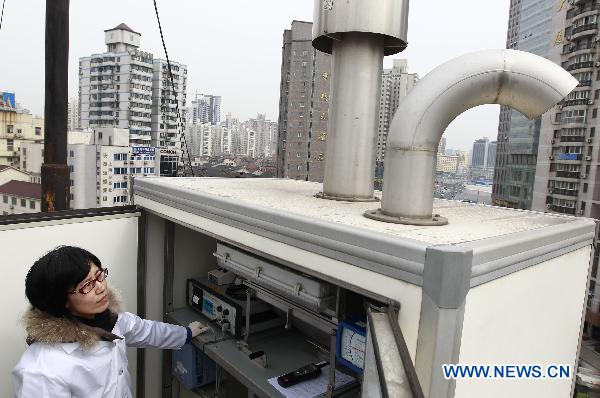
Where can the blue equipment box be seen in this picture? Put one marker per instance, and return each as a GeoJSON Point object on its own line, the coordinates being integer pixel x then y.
{"type": "Point", "coordinates": [192, 367]}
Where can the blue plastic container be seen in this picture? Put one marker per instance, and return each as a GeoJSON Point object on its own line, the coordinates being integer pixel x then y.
{"type": "Point", "coordinates": [192, 367]}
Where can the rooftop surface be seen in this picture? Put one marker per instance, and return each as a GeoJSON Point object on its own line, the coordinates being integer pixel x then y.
{"type": "Point", "coordinates": [22, 189]}
{"type": "Point", "coordinates": [466, 221]}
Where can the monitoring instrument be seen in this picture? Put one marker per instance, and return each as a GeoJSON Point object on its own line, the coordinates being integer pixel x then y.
{"type": "Point", "coordinates": [226, 306]}
{"type": "Point", "coordinates": [351, 344]}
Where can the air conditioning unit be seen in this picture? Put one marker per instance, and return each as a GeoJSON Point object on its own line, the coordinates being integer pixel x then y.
{"type": "Point", "coordinates": [589, 140]}
{"type": "Point", "coordinates": [550, 190]}
{"type": "Point", "coordinates": [596, 64]}
{"type": "Point", "coordinates": [583, 175]}
{"type": "Point", "coordinates": [551, 157]}
{"type": "Point", "coordinates": [553, 141]}
{"type": "Point", "coordinates": [596, 39]}
{"type": "Point", "coordinates": [559, 106]}
{"type": "Point", "coordinates": [548, 206]}
{"type": "Point", "coordinates": [581, 212]}
{"type": "Point", "coordinates": [588, 158]}
{"type": "Point", "coordinates": [591, 101]}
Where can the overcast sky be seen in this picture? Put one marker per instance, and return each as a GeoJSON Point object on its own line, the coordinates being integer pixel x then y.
{"type": "Point", "coordinates": [233, 47]}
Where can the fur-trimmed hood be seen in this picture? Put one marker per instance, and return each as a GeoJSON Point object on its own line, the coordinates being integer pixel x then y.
{"type": "Point", "coordinates": [44, 328]}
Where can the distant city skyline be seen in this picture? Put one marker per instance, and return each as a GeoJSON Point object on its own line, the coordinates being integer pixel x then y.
{"type": "Point", "coordinates": [236, 50]}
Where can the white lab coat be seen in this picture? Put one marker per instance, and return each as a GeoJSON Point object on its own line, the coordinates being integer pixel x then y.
{"type": "Point", "coordinates": [66, 370]}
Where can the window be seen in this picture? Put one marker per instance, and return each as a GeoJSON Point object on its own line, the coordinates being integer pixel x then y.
{"type": "Point", "coordinates": [4, 198]}
{"type": "Point", "coordinates": [594, 113]}
{"type": "Point", "coordinates": [23, 203]}
{"type": "Point", "coordinates": [9, 144]}
{"type": "Point", "coordinates": [71, 154]}
{"type": "Point", "coordinates": [13, 201]}
{"type": "Point", "coordinates": [38, 131]}
{"type": "Point", "coordinates": [31, 204]}
{"type": "Point", "coordinates": [10, 129]}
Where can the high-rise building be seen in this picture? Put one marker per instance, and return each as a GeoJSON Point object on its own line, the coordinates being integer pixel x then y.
{"type": "Point", "coordinates": [127, 88]}
{"type": "Point", "coordinates": [442, 146]}
{"type": "Point", "coordinates": [262, 131]}
{"type": "Point", "coordinates": [168, 103]}
{"type": "Point", "coordinates": [102, 166]}
{"type": "Point", "coordinates": [483, 159]}
{"type": "Point", "coordinates": [303, 106]}
{"type": "Point", "coordinates": [529, 29]}
{"type": "Point", "coordinates": [73, 122]}
{"type": "Point", "coordinates": [452, 164]}
{"type": "Point", "coordinates": [17, 128]}
{"type": "Point", "coordinates": [566, 179]}
{"type": "Point", "coordinates": [568, 151]}
{"type": "Point", "coordinates": [206, 109]}
{"type": "Point", "coordinates": [395, 84]}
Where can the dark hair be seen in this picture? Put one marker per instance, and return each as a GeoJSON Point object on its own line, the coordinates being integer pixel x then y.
{"type": "Point", "coordinates": [50, 279]}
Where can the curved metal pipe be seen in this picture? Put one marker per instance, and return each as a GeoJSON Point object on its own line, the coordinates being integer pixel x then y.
{"type": "Point", "coordinates": [526, 82]}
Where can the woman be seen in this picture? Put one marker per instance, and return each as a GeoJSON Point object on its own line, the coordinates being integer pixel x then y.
{"type": "Point", "coordinates": [77, 332]}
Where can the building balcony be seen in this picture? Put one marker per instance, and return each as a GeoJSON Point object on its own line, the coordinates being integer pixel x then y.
{"type": "Point", "coordinates": [574, 50]}
{"type": "Point", "coordinates": [572, 120]}
{"type": "Point", "coordinates": [568, 174]}
{"type": "Point", "coordinates": [578, 101]}
{"type": "Point", "coordinates": [569, 156]}
{"type": "Point", "coordinates": [140, 118]}
{"type": "Point", "coordinates": [592, 9]}
{"type": "Point", "coordinates": [572, 138]}
{"type": "Point", "coordinates": [584, 83]}
{"type": "Point", "coordinates": [580, 65]}
{"type": "Point", "coordinates": [562, 209]}
{"type": "Point", "coordinates": [561, 191]}
{"type": "Point", "coordinates": [584, 30]}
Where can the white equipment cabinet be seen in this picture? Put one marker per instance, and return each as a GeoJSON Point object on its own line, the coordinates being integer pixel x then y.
{"type": "Point", "coordinates": [494, 286]}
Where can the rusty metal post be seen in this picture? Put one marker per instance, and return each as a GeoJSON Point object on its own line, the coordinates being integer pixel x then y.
{"type": "Point", "coordinates": [55, 172]}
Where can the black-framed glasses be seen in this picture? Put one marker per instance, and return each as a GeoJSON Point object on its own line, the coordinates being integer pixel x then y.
{"type": "Point", "coordinates": [89, 286]}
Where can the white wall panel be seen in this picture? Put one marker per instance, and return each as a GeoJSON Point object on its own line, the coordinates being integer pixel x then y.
{"type": "Point", "coordinates": [113, 239]}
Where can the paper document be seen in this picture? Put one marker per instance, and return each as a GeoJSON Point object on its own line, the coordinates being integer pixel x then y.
{"type": "Point", "coordinates": [316, 387]}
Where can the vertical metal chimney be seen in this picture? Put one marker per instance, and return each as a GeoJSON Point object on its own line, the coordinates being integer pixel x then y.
{"type": "Point", "coordinates": [358, 33]}
{"type": "Point", "coordinates": [55, 172]}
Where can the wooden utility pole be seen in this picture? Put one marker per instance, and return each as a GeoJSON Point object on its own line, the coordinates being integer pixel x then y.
{"type": "Point", "coordinates": [55, 172]}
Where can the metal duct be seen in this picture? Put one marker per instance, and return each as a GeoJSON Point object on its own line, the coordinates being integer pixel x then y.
{"type": "Point", "coordinates": [358, 34]}
{"type": "Point", "coordinates": [526, 82]}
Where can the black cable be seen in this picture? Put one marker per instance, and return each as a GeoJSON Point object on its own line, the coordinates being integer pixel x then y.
{"type": "Point", "coordinates": [237, 292]}
{"type": "Point", "coordinates": [2, 15]}
{"type": "Point", "coordinates": [181, 134]}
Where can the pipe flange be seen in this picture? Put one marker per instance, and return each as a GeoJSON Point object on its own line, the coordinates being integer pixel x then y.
{"type": "Point", "coordinates": [321, 195]}
{"type": "Point", "coordinates": [378, 215]}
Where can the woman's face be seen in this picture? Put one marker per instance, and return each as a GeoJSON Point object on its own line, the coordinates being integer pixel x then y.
{"type": "Point", "coordinates": [92, 303]}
